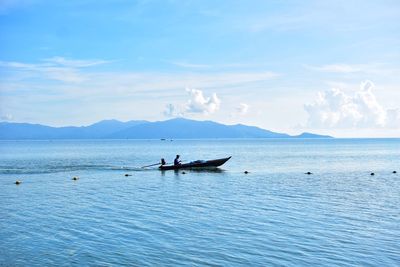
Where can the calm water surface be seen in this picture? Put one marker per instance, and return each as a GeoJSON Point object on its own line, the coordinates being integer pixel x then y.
{"type": "Point", "coordinates": [273, 216]}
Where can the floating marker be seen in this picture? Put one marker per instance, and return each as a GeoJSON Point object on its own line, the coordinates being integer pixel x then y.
{"type": "Point", "coordinates": [17, 182]}
{"type": "Point", "coordinates": [372, 173]}
{"type": "Point", "coordinates": [394, 172]}
{"type": "Point", "coordinates": [308, 173]}
{"type": "Point", "coordinates": [75, 178]}
{"type": "Point", "coordinates": [183, 172]}
{"type": "Point", "coordinates": [246, 172]}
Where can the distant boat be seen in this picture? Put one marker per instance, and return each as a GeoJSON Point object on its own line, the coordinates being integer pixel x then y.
{"type": "Point", "coordinates": [198, 164]}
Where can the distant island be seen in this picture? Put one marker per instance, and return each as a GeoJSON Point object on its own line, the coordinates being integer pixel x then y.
{"type": "Point", "coordinates": [178, 128]}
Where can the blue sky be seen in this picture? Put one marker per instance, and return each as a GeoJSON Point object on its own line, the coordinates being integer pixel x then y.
{"type": "Point", "coordinates": [292, 66]}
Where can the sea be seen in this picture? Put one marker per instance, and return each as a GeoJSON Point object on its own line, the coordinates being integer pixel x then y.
{"type": "Point", "coordinates": [119, 214]}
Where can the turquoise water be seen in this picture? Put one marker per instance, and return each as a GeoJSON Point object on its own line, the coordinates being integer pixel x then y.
{"type": "Point", "coordinates": [273, 216]}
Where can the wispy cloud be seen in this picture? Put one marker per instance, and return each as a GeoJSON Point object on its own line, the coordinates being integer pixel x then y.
{"type": "Point", "coordinates": [73, 63]}
{"type": "Point", "coordinates": [337, 68]}
{"type": "Point", "coordinates": [191, 65]}
{"type": "Point", "coordinates": [87, 79]}
{"type": "Point", "coordinates": [226, 66]}
{"type": "Point", "coordinates": [43, 71]}
{"type": "Point", "coordinates": [343, 68]}
{"type": "Point", "coordinates": [317, 15]}
{"type": "Point", "coordinates": [277, 23]}
{"type": "Point", "coordinates": [21, 65]}
{"type": "Point", "coordinates": [56, 68]}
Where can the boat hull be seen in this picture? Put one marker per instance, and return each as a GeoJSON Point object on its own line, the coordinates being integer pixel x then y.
{"type": "Point", "coordinates": [196, 164]}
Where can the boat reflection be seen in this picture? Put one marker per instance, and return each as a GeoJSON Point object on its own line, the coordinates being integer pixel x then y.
{"type": "Point", "coordinates": [213, 170]}
{"type": "Point", "coordinates": [194, 170]}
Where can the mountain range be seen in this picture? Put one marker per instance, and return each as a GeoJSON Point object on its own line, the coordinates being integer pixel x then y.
{"type": "Point", "coordinates": [178, 128]}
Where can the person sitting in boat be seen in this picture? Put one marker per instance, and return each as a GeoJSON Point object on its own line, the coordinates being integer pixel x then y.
{"type": "Point", "coordinates": [177, 161]}
{"type": "Point", "coordinates": [163, 162]}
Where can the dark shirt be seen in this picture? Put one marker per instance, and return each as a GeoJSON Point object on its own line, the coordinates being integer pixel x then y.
{"type": "Point", "coordinates": [177, 161]}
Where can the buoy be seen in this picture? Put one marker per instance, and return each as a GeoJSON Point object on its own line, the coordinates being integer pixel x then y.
{"type": "Point", "coordinates": [372, 173]}
{"type": "Point", "coordinates": [394, 172]}
{"type": "Point", "coordinates": [308, 173]}
{"type": "Point", "coordinates": [128, 175]}
{"type": "Point", "coordinates": [246, 172]}
{"type": "Point", "coordinates": [17, 182]}
{"type": "Point", "coordinates": [183, 172]}
{"type": "Point", "coordinates": [75, 178]}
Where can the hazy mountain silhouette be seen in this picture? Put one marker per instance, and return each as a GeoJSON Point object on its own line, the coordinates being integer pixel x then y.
{"type": "Point", "coordinates": [112, 129]}
{"type": "Point", "coordinates": [191, 129]}
{"type": "Point", "coordinates": [311, 135]}
{"type": "Point", "coordinates": [36, 131]}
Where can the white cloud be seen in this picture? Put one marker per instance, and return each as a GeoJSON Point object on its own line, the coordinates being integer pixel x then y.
{"type": "Point", "coordinates": [200, 104]}
{"type": "Point", "coordinates": [172, 111]}
{"type": "Point", "coordinates": [6, 117]}
{"type": "Point", "coordinates": [335, 109]}
{"type": "Point", "coordinates": [197, 103]}
{"type": "Point", "coordinates": [242, 109]}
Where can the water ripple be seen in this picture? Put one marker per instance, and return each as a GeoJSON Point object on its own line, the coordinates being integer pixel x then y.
{"type": "Point", "coordinates": [270, 217]}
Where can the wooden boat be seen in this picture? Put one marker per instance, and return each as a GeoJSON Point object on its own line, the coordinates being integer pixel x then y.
{"type": "Point", "coordinates": [198, 164]}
